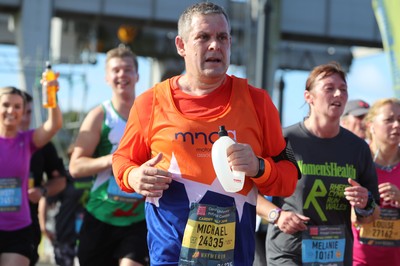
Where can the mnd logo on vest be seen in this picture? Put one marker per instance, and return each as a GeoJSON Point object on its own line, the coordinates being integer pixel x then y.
{"type": "Point", "coordinates": [202, 140]}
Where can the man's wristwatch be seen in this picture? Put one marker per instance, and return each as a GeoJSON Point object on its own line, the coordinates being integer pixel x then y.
{"type": "Point", "coordinates": [43, 190]}
{"type": "Point", "coordinates": [261, 167]}
{"type": "Point", "coordinates": [273, 215]}
{"type": "Point", "coordinates": [369, 208]}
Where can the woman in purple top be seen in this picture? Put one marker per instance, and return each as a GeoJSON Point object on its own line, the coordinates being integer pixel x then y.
{"type": "Point", "coordinates": [15, 153]}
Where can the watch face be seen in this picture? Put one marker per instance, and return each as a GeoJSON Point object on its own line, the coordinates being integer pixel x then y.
{"type": "Point", "coordinates": [273, 215]}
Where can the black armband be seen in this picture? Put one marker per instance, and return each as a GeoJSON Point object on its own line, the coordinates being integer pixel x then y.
{"type": "Point", "coordinates": [288, 155]}
{"type": "Point", "coordinates": [369, 208]}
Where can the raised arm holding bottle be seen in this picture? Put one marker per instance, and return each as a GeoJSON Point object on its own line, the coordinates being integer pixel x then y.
{"type": "Point", "coordinates": [16, 150]}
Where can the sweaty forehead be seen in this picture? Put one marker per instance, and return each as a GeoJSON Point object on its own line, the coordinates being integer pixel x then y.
{"type": "Point", "coordinates": [330, 78]}
{"type": "Point", "coordinates": [209, 22]}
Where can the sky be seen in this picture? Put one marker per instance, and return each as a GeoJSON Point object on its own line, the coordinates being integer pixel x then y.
{"type": "Point", "coordinates": [369, 79]}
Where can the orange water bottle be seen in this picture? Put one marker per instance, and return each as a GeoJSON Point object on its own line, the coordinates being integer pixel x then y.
{"type": "Point", "coordinates": [49, 93]}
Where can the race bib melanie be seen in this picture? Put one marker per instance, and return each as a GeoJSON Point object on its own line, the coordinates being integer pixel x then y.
{"type": "Point", "coordinates": [323, 245]}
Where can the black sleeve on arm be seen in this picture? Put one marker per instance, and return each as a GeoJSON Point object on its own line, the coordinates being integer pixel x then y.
{"type": "Point", "coordinates": [52, 161]}
{"type": "Point", "coordinates": [288, 154]}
